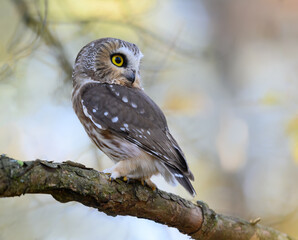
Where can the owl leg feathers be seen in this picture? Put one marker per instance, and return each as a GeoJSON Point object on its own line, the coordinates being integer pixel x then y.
{"type": "Point", "coordinates": [150, 184]}
{"type": "Point", "coordinates": [120, 169]}
{"type": "Point", "coordinates": [127, 169]}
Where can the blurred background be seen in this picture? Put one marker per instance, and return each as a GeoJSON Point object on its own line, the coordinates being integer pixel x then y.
{"type": "Point", "coordinates": [224, 72]}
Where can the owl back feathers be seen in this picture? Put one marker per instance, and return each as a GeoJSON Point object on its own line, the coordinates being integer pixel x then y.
{"type": "Point", "coordinates": [130, 114]}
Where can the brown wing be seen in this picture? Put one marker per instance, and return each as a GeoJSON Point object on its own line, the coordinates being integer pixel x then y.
{"type": "Point", "coordinates": [130, 113]}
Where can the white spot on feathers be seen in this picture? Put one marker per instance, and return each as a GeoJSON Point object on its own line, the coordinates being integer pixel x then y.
{"type": "Point", "coordinates": [134, 105]}
{"type": "Point", "coordinates": [94, 110]}
{"type": "Point", "coordinates": [115, 119]}
{"type": "Point", "coordinates": [124, 99]}
{"type": "Point", "coordinates": [89, 116]}
{"type": "Point", "coordinates": [125, 125]}
{"type": "Point", "coordinates": [178, 175]}
{"type": "Point", "coordinates": [106, 113]}
{"type": "Point", "coordinates": [156, 153]}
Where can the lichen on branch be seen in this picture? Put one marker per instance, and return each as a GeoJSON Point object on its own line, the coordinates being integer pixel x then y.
{"type": "Point", "coordinates": [70, 181]}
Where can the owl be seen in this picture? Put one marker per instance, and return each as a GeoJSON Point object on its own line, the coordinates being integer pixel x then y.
{"type": "Point", "coordinates": [121, 119]}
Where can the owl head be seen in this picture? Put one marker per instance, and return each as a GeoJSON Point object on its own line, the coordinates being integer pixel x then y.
{"type": "Point", "coordinates": [108, 60]}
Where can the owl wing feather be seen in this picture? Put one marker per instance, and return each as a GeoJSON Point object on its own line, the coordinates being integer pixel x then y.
{"type": "Point", "coordinates": [131, 114]}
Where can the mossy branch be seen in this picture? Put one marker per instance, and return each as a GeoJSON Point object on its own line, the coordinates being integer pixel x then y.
{"type": "Point", "coordinates": [69, 181]}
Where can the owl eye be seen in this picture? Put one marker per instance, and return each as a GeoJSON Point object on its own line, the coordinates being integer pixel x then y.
{"type": "Point", "coordinates": [118, 60]}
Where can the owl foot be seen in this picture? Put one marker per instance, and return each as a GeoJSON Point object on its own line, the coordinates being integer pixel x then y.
{"type": "Point", "coordinates": [113, 174]}
{"type": "Point", "coordinates": [125, 179]}
{"type": "Point", "coordinates": [150, 184]}
{"type": "Point", "coordinates": [142, 182]}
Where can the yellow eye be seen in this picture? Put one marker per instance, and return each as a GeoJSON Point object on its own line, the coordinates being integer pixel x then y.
{"type": "Point", "coordinates": [117, 60]}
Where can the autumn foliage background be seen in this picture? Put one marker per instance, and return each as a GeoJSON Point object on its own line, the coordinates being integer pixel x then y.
{"type": "Point", "coordinates": [224, 72]}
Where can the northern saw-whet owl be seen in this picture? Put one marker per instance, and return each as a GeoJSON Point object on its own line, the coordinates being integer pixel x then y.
{"type": "Point", "coordinates": [121, 119]}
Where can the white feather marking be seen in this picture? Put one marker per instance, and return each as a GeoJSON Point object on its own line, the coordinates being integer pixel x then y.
{"type": "Point", "coordinates": [134, 105]}
{"type": "Point", "coordinates": [155, 153]}
{"type": "Point", "coordinates": [178, 175]}
{"type": "Point", "coordinates": [94, 110]}
{"type": "Point", "coordinates": [89, 116]}
{"type": "Point", "coordinates": [148, 132]}
{"type": "Point", "coordinates": [106, 113]}
{"type": "Point", "coordinates": [115, 119]}
{"type": "Point", "coordinates": [124, 99]}
{"type": "Point", "coordinates": [125, 125]}
{"type": "Point", "coordinates": [136, 141]}
{"type": "Point", "coordinates": [122, 128]}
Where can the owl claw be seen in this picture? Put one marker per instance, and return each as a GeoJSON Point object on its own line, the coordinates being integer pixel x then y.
{"type": "Point", "coordinates": [151, 184]}
{"type": "Point", "coordinates": [142, 182]}
{"type": "Point", "coordinates": [112, 175]}
{"type": "Point", "coordinates": [125, 179]}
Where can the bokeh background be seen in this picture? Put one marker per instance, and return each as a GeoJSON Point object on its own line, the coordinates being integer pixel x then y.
{"type": "Point", "coordinates": [224, 72]}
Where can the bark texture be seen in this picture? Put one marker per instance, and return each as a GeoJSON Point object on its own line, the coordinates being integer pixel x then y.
{"type": "Point", "coordinates": [69, 181]}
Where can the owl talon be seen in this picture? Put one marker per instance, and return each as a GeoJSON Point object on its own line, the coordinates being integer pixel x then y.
{"type": "Point", "coordinates": [113, 176]}
{"type": "Point", "coordinates": [142, 182]}
{"type": "Point", "coordinates": [125, 179]}
{"type": "Point", "coordinates": [151, 184]}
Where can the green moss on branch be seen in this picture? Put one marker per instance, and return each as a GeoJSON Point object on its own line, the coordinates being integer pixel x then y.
{"type": "Point", "coordinates": [69, 181]}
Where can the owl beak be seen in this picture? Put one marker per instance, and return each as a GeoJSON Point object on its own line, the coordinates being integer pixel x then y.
{"type": "Point", "coordinates": [130, 75]}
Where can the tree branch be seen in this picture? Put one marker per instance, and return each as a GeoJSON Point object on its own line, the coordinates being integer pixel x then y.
{"type": "Point", "coordinates": [69, 181]}
{"type": "Point", "coordinates": [40, 28]}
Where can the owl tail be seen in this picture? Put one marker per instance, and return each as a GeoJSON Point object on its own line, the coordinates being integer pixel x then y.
{"type": "Point", "coordinates": [182, 179]}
